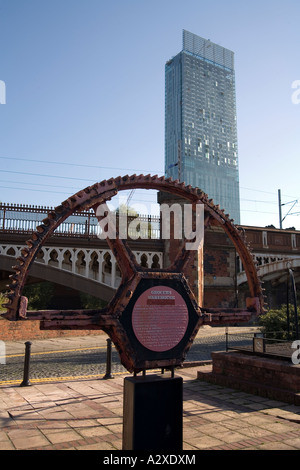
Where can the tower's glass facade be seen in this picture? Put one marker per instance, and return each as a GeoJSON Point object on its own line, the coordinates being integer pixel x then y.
{"type": "Point", "coordinates": [200, 121]}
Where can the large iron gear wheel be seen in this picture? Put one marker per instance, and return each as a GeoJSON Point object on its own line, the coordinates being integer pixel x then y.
{"type": "Point", "coordinates": [99, 193]}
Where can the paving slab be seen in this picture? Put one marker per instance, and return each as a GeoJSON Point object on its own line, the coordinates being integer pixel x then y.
{"type": "Point", "coordinates": [86, 414]}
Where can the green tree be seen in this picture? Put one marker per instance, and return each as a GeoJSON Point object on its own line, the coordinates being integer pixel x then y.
{"type": "Point", "coordinates": [90, 302]}
{"type": "Point", "coordinates": [141, 228]}
{"type": "Point", "coordinates": [39, 295]}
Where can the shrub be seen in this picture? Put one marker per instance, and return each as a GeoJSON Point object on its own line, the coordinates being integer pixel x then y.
{"type": "Point", "coordinates": [275, 325]}
{"type": "Point", "coordinates": [90, 302]}
{"type": "Point", "coordinates": [3, 300]}
{"type": "Point", "coordinates": [39, 295]}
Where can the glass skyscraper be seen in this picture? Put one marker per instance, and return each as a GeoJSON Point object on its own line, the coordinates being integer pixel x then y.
{"type": "Point", "coordinates": [201, 146]}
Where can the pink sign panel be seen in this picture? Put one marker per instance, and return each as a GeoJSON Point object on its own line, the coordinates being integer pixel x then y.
{"type": "Point", "coordinates": [160, 318]}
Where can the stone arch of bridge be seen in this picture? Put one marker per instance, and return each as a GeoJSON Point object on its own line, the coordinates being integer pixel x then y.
{"type": "Point", "coordinates": [92, 271]}
{"type": "Point", "coordinates": [77, 282]}
{"type": "Point", "coordinates": [275, 270]}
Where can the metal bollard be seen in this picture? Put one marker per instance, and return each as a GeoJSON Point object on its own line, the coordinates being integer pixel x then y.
{"type": "Point", "coordinates": [108, 374]}
{"type": "Point", "coordinates": [26, 381]}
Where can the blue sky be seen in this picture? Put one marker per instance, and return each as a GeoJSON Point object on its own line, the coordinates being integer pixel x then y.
{"type": "Point", "coordinates": [85, 94]}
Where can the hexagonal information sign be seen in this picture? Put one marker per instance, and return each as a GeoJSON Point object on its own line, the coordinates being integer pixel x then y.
{"type": "Point", "coordinates": [160, 322]}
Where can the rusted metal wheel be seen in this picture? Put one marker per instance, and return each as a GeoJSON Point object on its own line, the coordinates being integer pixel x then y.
{"type": "Point", "coordinates": [99, 193]}
{"type": "Point", "coordinates": [112, 319]}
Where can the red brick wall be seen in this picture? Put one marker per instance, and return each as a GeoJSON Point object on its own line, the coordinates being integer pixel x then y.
{"type": "Point", "coordinates": [215, 297]}
{"type": "Point", "coordinates": [219, 269]}
{"type": "Point", "coordinates": [28, 330]}
{"type": "Point", "coordinates": [276, 240]}
{"type": "Point", "coordinates": [216, 262]}
{"type": "Point", "coordinates": [272, 378]}
{"type": "Point", "coordinates": [270, 372]}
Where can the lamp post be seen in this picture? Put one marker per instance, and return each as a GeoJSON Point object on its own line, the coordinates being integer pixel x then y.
{"type": "Point", "coordinates": [292, 280]}
{"type": "Point", "coordinates": [288, 213]}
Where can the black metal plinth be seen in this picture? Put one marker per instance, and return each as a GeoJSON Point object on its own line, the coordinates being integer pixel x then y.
{"type": "Point", "coordinates": [152, 414]}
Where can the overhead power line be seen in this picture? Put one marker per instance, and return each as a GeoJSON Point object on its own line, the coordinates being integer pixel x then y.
{"type": "Point", "coordinates": [45, 176]}
{"type": "Point", "coordinates": [88, 181]}
{"type": "Point", "coordinates": [73, 188]}
{"type": "Point", "coordinates": [102, 167]}
{"type": "Point", "coordinates": [36, 190]}
{"type": "Point", "coordinates": [53, 162]}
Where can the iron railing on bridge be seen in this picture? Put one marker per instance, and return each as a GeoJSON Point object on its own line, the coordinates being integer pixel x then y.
{"type": "Point", "coordinates": [22, 219]}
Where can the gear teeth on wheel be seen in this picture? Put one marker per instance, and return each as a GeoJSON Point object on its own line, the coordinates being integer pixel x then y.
{"type": "Point", "coordinates": [101, 192]}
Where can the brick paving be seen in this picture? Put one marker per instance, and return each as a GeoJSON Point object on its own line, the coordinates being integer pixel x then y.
{"type": "Point", "coordinates": [86, 414]}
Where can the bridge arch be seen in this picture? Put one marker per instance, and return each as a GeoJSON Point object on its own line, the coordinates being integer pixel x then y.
{"type": "Point", "coordinates": [277, 268]}
{"type": "Point", "coordinates": [96, 195]}
{"type": "Point", "coordinates": [62, 265]}
{"type": "Point", "coordinates": [272, 270]}
{"type": "Point", "coordinates": [65, 278]}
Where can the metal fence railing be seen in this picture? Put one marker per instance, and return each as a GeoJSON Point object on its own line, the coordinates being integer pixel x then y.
{"type": "Point", "coordinates": [260, 344]}
{"type": "Point", "coordinates": [15, 218]}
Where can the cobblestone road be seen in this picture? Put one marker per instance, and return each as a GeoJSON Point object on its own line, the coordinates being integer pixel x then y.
{"type": "Point", "coordinates": [89, 362]}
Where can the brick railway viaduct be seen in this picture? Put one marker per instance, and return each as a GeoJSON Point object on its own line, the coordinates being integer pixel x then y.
{"type": "Point", "coordinates": [75, 259]}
